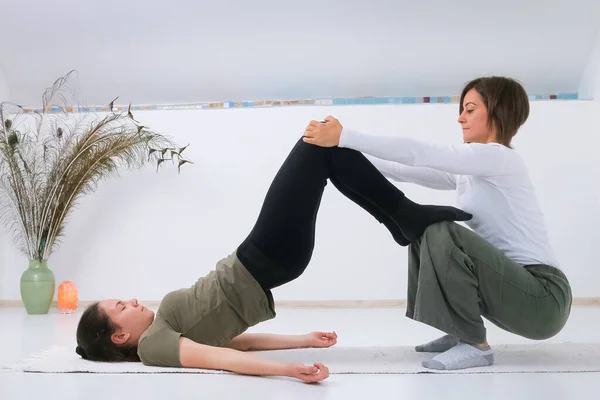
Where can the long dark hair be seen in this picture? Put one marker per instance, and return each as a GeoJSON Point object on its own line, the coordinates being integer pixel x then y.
{"type": "Point", "coordinates": [94, 341]}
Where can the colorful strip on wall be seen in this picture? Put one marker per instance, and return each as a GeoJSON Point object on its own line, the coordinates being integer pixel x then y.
{"type": "Point", "coordinates": [289, 103]}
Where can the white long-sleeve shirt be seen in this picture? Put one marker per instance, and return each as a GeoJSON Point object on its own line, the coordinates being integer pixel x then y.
{"type": "Point", "coordinates": [491, 182]}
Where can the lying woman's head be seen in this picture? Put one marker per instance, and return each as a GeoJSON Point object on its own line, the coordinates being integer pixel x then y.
{"type": "Point", "coordinates": [109, 330]}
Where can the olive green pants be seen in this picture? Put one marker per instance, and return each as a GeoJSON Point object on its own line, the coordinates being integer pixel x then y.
{"type": "Point", "coordinates": [455, 277]}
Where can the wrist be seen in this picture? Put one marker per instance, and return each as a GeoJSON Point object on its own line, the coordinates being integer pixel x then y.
{"type": "Point", "coordinates": [287, 369]}
{"type": "Point", "coordinates": [342, 137]}
{"type": "Point", "coordinates": [305, 340]}
{"type": "Point", "coordinates": [275, 368]}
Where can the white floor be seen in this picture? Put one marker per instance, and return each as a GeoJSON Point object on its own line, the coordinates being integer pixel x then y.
{"type": "Point", "coordinates": [20, 335]}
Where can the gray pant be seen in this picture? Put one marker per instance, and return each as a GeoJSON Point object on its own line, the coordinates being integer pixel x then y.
{"type": "Point", "coordinates": [455, 277]}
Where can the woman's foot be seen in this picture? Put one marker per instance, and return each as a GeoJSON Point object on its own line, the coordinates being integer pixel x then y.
{"type": "Point", "coordinates": [462, 356]}
{"type": "Point", "coordinates": [438, 345]}
{"type": "Point", "coordinates": [413, 218]}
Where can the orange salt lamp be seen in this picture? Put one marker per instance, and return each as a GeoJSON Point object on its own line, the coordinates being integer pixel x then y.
{"type": "Point", "coordinates": [67, 297]}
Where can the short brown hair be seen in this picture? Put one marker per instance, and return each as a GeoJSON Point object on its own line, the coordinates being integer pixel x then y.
{"type": "Point", "coordinates": [506, 101]}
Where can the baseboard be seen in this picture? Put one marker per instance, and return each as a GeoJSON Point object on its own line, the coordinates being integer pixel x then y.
{"type": "Point", "coordinates": [339, 304]}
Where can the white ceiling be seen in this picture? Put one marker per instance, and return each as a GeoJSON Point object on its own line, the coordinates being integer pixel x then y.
{"type": "Point", "coordinates": [149, 51]}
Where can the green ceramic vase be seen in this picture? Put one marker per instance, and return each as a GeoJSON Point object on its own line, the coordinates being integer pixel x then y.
{"type": "Point", "coordinates": [37, 287]}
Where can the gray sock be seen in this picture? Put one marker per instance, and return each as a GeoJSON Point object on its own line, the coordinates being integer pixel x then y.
{"type": "Point", "coordinates": [438, 345]}
{"type": "Point", "coordinates": [461, 356]}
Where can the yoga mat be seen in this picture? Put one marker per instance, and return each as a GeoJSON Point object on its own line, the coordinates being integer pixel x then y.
{"type": "Point", "coordinates": [513, 358]}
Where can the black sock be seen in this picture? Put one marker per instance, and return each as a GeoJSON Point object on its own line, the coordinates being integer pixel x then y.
{"type": "Point", "coordinates": [413, 218]}
{"type": "Point", "coordinates": [396, 232]}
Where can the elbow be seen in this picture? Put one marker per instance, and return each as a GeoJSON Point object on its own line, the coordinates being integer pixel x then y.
{"type": "Point", "coordinates": [195, 355]}
{"type": "Point", "coordinates": [239, 344]}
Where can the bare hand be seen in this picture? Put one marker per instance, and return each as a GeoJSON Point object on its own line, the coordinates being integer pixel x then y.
{"type": "Point", "coordinates": [325, 134]}
{"type": "Point", "coordinates": [321, 339]}
{"type": "Point", "coordinates": [309, 374]}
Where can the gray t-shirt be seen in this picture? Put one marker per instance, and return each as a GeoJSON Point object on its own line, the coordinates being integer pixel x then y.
{"type": "Point", "coordinates": [217, 308]}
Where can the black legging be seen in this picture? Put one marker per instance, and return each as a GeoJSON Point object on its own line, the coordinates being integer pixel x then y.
{"type": "Point", "coordinates": [280, 245]}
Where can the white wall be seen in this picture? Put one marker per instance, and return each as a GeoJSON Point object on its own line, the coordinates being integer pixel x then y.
{"type": "Point", "coordinates": [272, 44]}
{"type": "Point", "coordinates": [145, 234]}
{"type": "Point", "coordinates": [3, 88]}
{"type": "Point", "coordinates": [4, 249]}
{"type": "Point", "coordinates": [589, 87]}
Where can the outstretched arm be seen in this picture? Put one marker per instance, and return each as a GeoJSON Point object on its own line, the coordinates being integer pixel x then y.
{"type": "Point", "coordinates": [195, 355]}
{"type": "Point", "coordinates": [466, 159]}
{"type": "Point", "coordinates": [423, 176]}
{"type": "Point", "coordinates": [267, 341]}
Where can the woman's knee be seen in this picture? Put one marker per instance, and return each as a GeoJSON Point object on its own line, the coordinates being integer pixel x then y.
{"type": "Point", "coordinates": [440, 242]}
{"type": "Point", "coordinates": [340, 157]}
{"type": "Point", "coordinates": [438, 231]}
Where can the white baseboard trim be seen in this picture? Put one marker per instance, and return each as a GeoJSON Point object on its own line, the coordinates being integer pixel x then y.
{"type": "Point", "coordinates": [339, 304]}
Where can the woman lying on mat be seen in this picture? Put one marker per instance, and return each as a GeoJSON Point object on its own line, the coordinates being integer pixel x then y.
{"type": "Point", "coordinates": [504, 269]}
{"type": "Point", "coordinates": [202, 326]}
